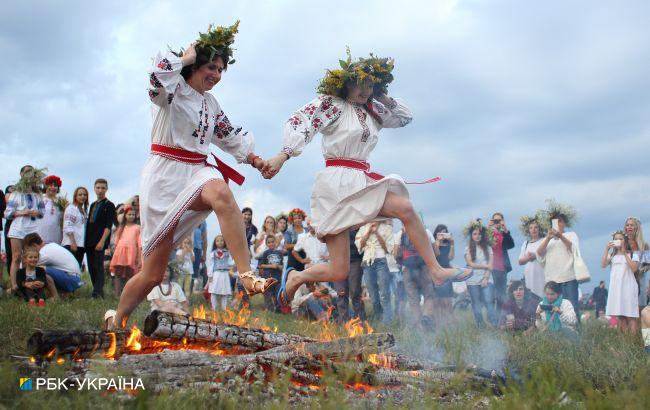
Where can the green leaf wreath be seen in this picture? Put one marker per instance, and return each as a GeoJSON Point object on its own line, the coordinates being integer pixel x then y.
{"type": "Point", "coordinates": [31, 181]}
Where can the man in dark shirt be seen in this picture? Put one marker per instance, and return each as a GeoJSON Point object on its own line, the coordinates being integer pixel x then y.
{"type": "Point", "coordinates": [501, 261]}
{"type": "Point", "coordinates": [101, 217]}
{"type": "Point", "coordinates": [270, 265]}
{"type": "Point", "coordinates": [350, 288]}
{"type": "Point", "coordinates": [600, 298]}
{"type": "Point", "coordinates": [251, 230]}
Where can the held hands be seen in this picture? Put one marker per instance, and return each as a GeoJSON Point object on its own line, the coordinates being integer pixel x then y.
{"type": "Point", "coordinates": [272, 166]}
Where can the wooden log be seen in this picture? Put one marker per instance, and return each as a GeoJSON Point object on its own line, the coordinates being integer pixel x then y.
{"type": "Point", "coordinates": [172, 327]}
{"type": "Point", "coordinates": [45, 343]}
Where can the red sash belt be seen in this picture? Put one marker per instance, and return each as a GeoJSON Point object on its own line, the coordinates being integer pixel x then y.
{"type": "Point", "coordinates": [189, 157]}
{"type": "Point", "coordinates": [365, 167]}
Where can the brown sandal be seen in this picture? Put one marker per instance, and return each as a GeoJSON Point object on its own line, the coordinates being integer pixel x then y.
{"type": "Point", "coordinates": [259, 285]}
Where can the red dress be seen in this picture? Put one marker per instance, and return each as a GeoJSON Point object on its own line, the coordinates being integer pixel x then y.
{"type": "Point", "coordinates": [128, 249]}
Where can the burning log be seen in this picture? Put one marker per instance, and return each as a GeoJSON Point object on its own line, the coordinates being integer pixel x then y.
{"type": "Point", "coordinates": [169, 326]}
{"type": "Point", "coordinates": [77, 343]}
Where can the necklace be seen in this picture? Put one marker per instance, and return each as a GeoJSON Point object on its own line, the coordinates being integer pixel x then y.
{"type": "Point", "coordinates": [169, 290]}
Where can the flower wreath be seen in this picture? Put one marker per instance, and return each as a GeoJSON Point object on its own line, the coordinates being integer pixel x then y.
{"type": "Point", "coordinates": [30, 180]}
{"type": "Point", "coordinates": [376, 70]}
{"type": "Point", "coordinates": [296, 211]}
{"type": "Point", "coordinates": [52, 179]}
{"type": "Point", "coordinates": [216, 42]}
{"type": "Point", "coordinates": [526, 220]}
{"type": "Point", "coordinates": [485, 231]}
{"type": "Point", "coordinates": [555, 209]}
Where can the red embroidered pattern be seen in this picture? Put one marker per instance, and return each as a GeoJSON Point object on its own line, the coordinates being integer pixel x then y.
{"type": "Point", "coordinates": [165, 65]}
{"type": "Point", "coordinates": [153, 94]}
{"type": "Point", "coordinates": [361, 115]}
{"type": "Point", "coordinates": [223, 127]}
{"type": "Point", "coordinates": [203, 123]}
{"type": "Point", "coordinates": [153, 80]}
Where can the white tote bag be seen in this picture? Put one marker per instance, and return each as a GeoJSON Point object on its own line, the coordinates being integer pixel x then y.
{"type": "Point", "coordinates": [579, 267]}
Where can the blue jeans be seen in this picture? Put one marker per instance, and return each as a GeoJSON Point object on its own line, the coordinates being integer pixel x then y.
{"type": "Point", "coordinates": [483, 296]}
{"type": "Point", "coordinates": [378, 279]}
{"type": "Point", "coordinates": [64, 280]}
{"type": "Point", "coordinates": [570, 291]}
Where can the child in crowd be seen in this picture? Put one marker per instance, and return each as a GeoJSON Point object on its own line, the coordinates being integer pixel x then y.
{"type": "Point", "coordinates": [622, 300]}
{"type": "Point", "coordinates": [270, 264]}
{"type": "Point", "coordinates": [127, 259]}
{"type": "Point", "coordinates": [185, 258]}
{"type": "Point", "coordinates": [478, 255]}
{"type": "Point", "coordinates": [219, 264]}
{"type": "Point", "coordinates": [31, 278]}
{"type": "Point", "coordinates": [168, 296]}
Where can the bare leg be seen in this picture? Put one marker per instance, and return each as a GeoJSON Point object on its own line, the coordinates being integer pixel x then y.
{"type": "Point", "coordinates": [401, 208]}
{"type": "Point", "coordinates": [136, 289]}
{"type": "Point", "coordinates": [217, 196]}
{"type": "Point", "coordinates": [632, 325]}
{"type": "Point", "coordinates": [51, 286]}
{"type": "Point", "coordinates": [16, 254]}
{"type": "Point", "coordinates": [335, 270]}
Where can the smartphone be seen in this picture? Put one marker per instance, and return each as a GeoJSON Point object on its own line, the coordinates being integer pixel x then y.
{"type": "Point", "coordinates": [446, 235]}
{"type": "Point", "coordinates": [555, 224]}
{"type": "Point", "coordinates": [546, 308]}
{"type": "Point", "coordinates": [616, 243]}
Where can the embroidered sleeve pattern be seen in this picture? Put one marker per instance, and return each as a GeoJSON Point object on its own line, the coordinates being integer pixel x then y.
{"type": "Point", "coordinates": [301, 127]}
{"type": "Point", "coordinates": [393, 115]}
{"type": "Point", "coordinates": [232, 138]}
{"type": "Point", "coordinates": [164, 78]}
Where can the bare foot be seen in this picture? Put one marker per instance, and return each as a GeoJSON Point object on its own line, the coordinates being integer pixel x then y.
{"type": "Point", "coordinates": [293, 283]}
{"type": "Point", "coordinates": [443, 275]}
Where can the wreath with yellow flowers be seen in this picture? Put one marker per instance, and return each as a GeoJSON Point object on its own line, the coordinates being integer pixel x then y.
{"type": "Point", "coordinates": [217, 41]}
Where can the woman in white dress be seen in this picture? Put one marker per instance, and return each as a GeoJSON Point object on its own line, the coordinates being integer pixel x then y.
{"type": "Point", "coordinates": [622, 300]}
{"type": "Point", "coordinates": [533, 269]}
{"type": "Point", "coordinates": [74, 224]}
{"type": "Point", "coordinates": [178, 189]}
{"type": "Point", "coordinates": [353, 109]}
{"type": "Point", "coordinates": [639, 247]}
{"type": "Point", "coordinates": [50, 227]}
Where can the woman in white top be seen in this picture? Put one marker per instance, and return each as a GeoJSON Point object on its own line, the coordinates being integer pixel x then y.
{"type": "Point", "coordinates": [353, 109]}
{"type": "Point", "coordinates": [269, 227]}
{"type": "Point", "coordinates": [49, 228]}
{"type": "Point", "coordinates": [169, 297]}
{"type": "Point", "coordinates": [25, 207]}
{"type": "Point", "coordinates": [639, 247]}
{"type": "Point", "coordinates": [74, 224]}
{"type": "Point", "coordinates": [622, 300]}
{"type": "Point", "coordinates": [555, 253]}
{"type": "Point", "coordinates": [555, 313]}
{"type": "Point", "coordinates": [533, 269]}
{"type": "Point", "coordinates": [178, 189]}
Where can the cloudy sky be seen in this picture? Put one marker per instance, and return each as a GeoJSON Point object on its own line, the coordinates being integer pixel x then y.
{"type": "Point", "coordinates": [514, 102]}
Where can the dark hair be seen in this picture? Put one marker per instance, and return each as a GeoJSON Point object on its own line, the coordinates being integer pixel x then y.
{"type": "Point", "coordinates": [439, 229]}
{"type": "Point", "coordinates": [497, 213]}
{"type": "Point", "coordinates": [554, 286]}
{"type": "Point", "coordinates": [8, 188]}
{"type": "Point", "coordinates": [483, 244]}
{"type": "Point", "coordinates": [514, 285]}
{"type": "Point", "coordinates": [201, 59]}
{"type": "Point", "coordinates": [101, 181]}
{"type": "Point", "coordinates": [269, 237]}
{"type": "Point", "coordinates": [32, 239]}
{"type": "Point", "coordinates": [22, 169]}
{"type": "Point", "coordinates": [247, 209]}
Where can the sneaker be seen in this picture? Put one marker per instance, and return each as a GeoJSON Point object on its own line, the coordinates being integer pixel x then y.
{"type": "Point", "coordinates": [32, 302]}
{"type": "Point", "coordinates": [41, 303]}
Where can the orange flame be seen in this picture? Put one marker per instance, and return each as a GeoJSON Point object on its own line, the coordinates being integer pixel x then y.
{"type": "Point", "coordinates": [357, 327]}
{"type": "Point", "coordinates": [380, 360]}
{"type": "Point", "coordinates": [60, 360]}
{"type": "Point", "coordinates": [110, 353]}
{"type": "Point", "coordinates": [133, 342]}
{"type": "Point", "coordinates": [50, 354]}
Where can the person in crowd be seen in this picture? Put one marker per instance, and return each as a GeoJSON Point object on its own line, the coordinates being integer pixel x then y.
{"type": "Point", "coordinates": [219, 267]}
{"type": "Point", "coordinates": [270, 264]}
{"type": "Point", "coordinates": [134, 202]}
{"type": "Point", "coordinates": [518, 313]}
{"type": "Point", "coordinates": [269, 228]}
{"type": "Point", "coordinates": [74, 224]}
{"type": "Point", "coordinates": [24, 207]}
{"type": "Point", "coordinates": [533, 269]}
{"type": "Point", "coordinates": [350, 289]}
{"type": "Point", "coordinates": [8, 190]}
{"type": "Point", "coordinates": [599, 297]}
{"type": "Point", "coordinates": [101, 218]}
{"type": "Point", "coordinates": [3, 261]}
{"type": "Point", "coordinates": [127, 257]}
{"type": "Point", "coordinates": [49, 227]}
{"type": "Point", "coordinates": [63, 271]}
{"type": "Point", "coordinates": [311, 247]}
{"type": "Point", "coordinates": [282, 223]}
{"type": "Point", "coordinates": [622, 301]}
{"type": "Point", "coordinates": [638, 245]}
{"type": "Point", "coordinates": [31, 278]}
{"type": "Point", "coordinates": [555, 313]}
{"type": "Point", "coordinates": [185, 260]}
{"type": "Point", "coordinates": [501, 243]}
{"type": "Point", "coordinates": [296, 228]}
{"type": "Point", "coordinates": [396, 278]}
{"type": "Point", "coordinates": [479, 257]}
{"type": "Point", "coordinates": [314, 301]}
{"type": "Point", "coordinates": [251, 230]}
{"type": "Point", "coordinates": [200, 243]}
{"type": "Point", "coordinates": [444, 248]}
{"type": "Point", "coordinates": [556, 254]}
{"type": "Point", "coordinates": [417, 281]}
{"type": "Point", "coordinates": [168, 296]}
{"type": "Point", "coordinates": [645, 328]}
{"type": "Point", "coordinates": [374, 240]}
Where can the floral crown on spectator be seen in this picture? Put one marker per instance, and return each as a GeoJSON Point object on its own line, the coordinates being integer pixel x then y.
{"type": "Point", "coordinates": [52, 179]}
{"type": "Point", "coordinates": [30, 179]}
{"type": "Point", "coordinates": [296, 211]}
{"type": "Point", "coordinates": [555, 209]}
{"type": "Point", "coordinates": [485, 231]}
{"type": "Point", "coordinates": [281, 215]}
{"type": "Point", "coordinates": [619, 232]}
{"type": "Point", "coordinates": [217, 41]}
{"type": "Point", "coordinates": [527, 220]}
{"type": "Point", "coordinates": [373, 69]}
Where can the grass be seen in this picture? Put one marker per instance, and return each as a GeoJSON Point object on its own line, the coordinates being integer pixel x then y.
{"type": "Point", "coordinates": [601, 370]}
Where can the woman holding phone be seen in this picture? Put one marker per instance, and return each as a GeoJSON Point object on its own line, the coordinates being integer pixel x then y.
{"type": "Point", "coordinates": [555, 313]}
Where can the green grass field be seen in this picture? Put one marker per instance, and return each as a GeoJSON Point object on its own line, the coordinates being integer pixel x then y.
{"type": "Point", "coordinates": [603, 370]}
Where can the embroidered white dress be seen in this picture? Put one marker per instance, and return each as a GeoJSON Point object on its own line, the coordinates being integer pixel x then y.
{"type": "Point", "coordinates": [345, 197]}
{"type": "Point", "coordinates": [49, 228]}
{"type": "Point", "coordinates": [622, 297]}
{"type": "Point", "coordinates": [187, 119]}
